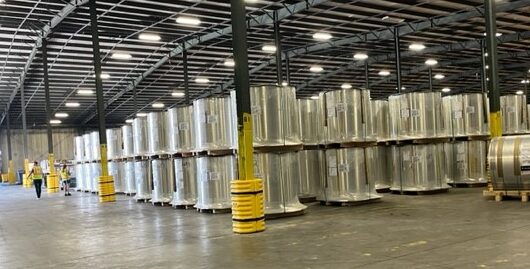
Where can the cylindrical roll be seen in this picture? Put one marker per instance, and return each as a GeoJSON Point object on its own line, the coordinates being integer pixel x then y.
{"type": "Point", "coordinates": [129, 176]}
{"type": "Point", "coordinates": [140, 145]}
{"type": "Point", "coordinates": [127, 138]}
{"type": "Point", "coordinates": [185, 182]}
{"type": "Point", "coordinates": [509, 162]}
{"type": "Point", "coordinates": [379, 164]}
{"type": "Point", "coordinates": [87, 147]}
{"type": "Point", "coordinates": [116, 173]}
{"type": "Point", "coordinates": [142, 172]}
{"type": "Point", "coordinates": [181, 134]}
{"type": "Point", "coordinates": [312, 172]}
{"type": "Point", "coordinates": [448, 115]}
{"type": "Point", "coordinates": [157, 133]}
{"type": "Point", "coordinates": [476, 113]}
{"type": "Point", "coordinates": [96, 173]}
{"type": "Point", "coordinates": [214, 126]}
{"type": "Point", "coordinates": [275, 116]}
{"type": "Point", "coordinates": [213, 181]}
{"type": "Point", "coordinates": [94, 143]}
{"type": "Point", "coordinates": [349, 116]}
{"type": "Point", "coordinates": [79, 177]}
{"type": "Point", "coordinates": [513, 110]}
{"type": "Point", "coordinates": [87, 177]}
{"type": "Point", "coordinates": [79, 153]}
{"type": "Point", "coordinates": [381, 117]}
{"type": "Point", "coordinates": [163, 181]}
{"type": "Point", "coordinates": [114, 143]}
{"type": "Point", "coordinates": [310, 121]}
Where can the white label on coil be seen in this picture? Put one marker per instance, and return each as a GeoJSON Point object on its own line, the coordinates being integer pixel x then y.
{"type": "Point", "coordinates": [414, 113]}
{"type": "Point", "coordinates": [340, 107]}
{"type": "Point", "coordinates": [461, 148]}
{"type": "Point", "coordinates": [211, 119]}
{"type": "Point", "coordinates": [255, 110]}
{"type": "Point", "coordinates": [332, 161]}
{"type": "Point", "coordinates": [457, 114]}
{"type": "Point", "coordinates": [213, 176]}
{"type": "Point", "coordinates": [184, 126]}
{"type": "Point", "coordinates": [460, 157]}
{"type": "Point", "coordinates": [331, 112]}
{"type": "Point", "coordinates": [470, 109]}
{"type": "Point", "coordinates": [332, 171]}
{"type": "Point", "coordinates": [417, 158]}
{"type": "Point", "coordinates": [180, 184]}
{"type": "Point", "coordinates": [405, 113]}
{"type": "Point", "coordinates": [524, 158]}
{"type": "Point", "coordinates": [406, 157]}
{"type": "Point", "coordinates": [510, 109]}
{"type": "Point", "coordinates": [344, 168]}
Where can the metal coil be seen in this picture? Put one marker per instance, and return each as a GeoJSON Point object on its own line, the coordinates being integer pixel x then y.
{"type": "Point", "coordinates": [312, 172]}
{"type": "Point", "coordinates": [140, 143]}
{"type": "Point", "coordinates": [114, 143]}
{"type": "Point", "coordinates": [509, 162]}
{"type": "Point", "coordinates": [310, 121]}
{"type": "Point", "coordinates": [116, 171]}
{"type": "Point", "coordinates": [163, 180]}
{"type": "Point", "coordinates": [181, 134]}
{"type": "Point", "coordinates": [213, 181]}
{"type": "Point", "coordinates": [157, 133]}
{"type": "Point", "coordinates": [87, 148]}
{"type": "Point", "coordinates": [87, 177]}
{"type": "Point", "coordinates": [94, 143]}
{"type": "Point", "coordinates": [142, 172]}
{"type": "Point", "coordinates": [129, 177]}
{"type": "Point", "coordinates": [379, 166]}
{"type": "Point", "coordinates": [185, 182]}
{"type": "Point", "coordinates": [381, 117]}
{"type": "Point", "coordinates": [79, 177]}
{"type": "Point", "coordinates": [127, 139]}
{"type": "Point", "coordinates": [214, 126]}
{"type": "Point", "coordinates": [79, 153]}
{"type": "Point", "coordinates": [466, 162]}
{"type": "Point", "coordinates": [514, 114]}
{"type": "Point", "coordinates": [95, 169]}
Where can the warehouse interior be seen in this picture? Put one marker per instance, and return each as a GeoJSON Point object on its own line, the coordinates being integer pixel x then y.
{"type": "Point", "coordinates": [271, 134]}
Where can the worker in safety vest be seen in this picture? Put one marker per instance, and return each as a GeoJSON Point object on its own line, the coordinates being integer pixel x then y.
{"type": "Point", "coordinates": [36, 176]}
{"type": "Point", "coordinates": [65, 176]}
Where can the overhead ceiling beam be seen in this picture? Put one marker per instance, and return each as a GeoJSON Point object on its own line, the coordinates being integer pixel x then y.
{"type": "Point", "coordinates": [45, 32]}
{"type": "Point", "coordinates": [264, 19]}
{"type": "Point", "coordinates": [387, 34]}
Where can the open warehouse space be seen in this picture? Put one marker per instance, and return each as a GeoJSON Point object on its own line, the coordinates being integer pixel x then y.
{"type": "Point", "coordinates": [271, 134]}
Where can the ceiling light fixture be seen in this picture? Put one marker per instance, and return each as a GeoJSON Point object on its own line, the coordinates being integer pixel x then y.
{"type": "Point", "coordinates": [322, 36]}
{"type": "Point", "coordinates": [431, 62]}
{"type": "Point", "coordinates": [519, 92]}
{"type": "Point", "coordinates": [149, 37]}
{"type": "Point", "coordinates": [416, 47]}
{"type": "Point", "coordinates": [188, 20]}
{"type": "Point", "coordinates": [121, 56]}
{"type": "Point", "coordinates": [446, 90]}
{"type": "Point", "coordinates": [72, 104]}
{"type": "Point", "coordinates": [129, 121]}
{"type": "Point", "coordinates": [285, 83]}
{"type": "Point", "coordinates": [345, 86]}
{"type": "Point", "coordinates": [141, 114]}
{"type": "Point", "coordinates": [229, 63]}
{"type": "Point", "coordinates": [439, 76]}
{"type": "Point", "coordinates": [55, 122]}
{"type": "Point", "coordinates": [61, 115]}
{"type": "Point", "coordinates": [384, 73]}
{"type": "Point", "coordinates": [315, 97]}
{"type": "Point", "coordinates": [158, 105]}
{"type": "Point", "coordinates": [316, 69]}
{"type": "Point", "coordinates": [202, 80]}
{"type": "Point", "coordinates": [85, 92]}
{"type": "Point", "coordinates": [525, 81]}
{"type": "Point", "coordinates": [178, 94]}
{"type": "Point", "coordinates": [360, 56]}
{"type": "Point", "coordinates": [269, 48]}
{"type": "Point", "coordinates": [497, 34]}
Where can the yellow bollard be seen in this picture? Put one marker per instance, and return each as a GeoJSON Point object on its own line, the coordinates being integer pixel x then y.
{"type": "Point", "coordinates": [52, 183]}
{"type": "Point", "coordinates": [11, 173]}
{"type": "Point", "coordinates": [26, 181]}
{"type": "Point", "coordinates": [105, 181]}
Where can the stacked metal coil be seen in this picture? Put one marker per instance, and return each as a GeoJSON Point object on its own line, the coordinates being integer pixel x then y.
{"type": "Point", "coordinates": [87, 177]}
{"type": "Point", "coordinates": [95, 146]}
{"type": "Point", "coordinates": [275, 116]}
{"type": "Point", "coordinates": [87, 148]}
{"type": "Point", "coordinates": [214, 126]}
{"type": "Point", "coordinates": [349, 116]}
{"type": "Point", "coordinates": [79, 154]}
{"type": "Point", "coordinates": [79, 177]}
{"type": "Point", "coordinates": [418, 168]}
{"type": "Point", "coordinates": [456, 112]}
{"type": "Point", "coordinates": [157, 133]}
{"type": "Point", "coordinates": [310, 121]}
{"type": "Point", "coordinates": [312, 172]}
{"type": "Point", "coordinates": [447, 115]}
{"type": "Point", "coordinates": [140, 143]}
{"type": "Point", "coordinates": [379, 160]}
{"type": "Point", "coordinates": [213, 181]}
{"type": "Point", "coordinates": [116, 173]}
{"type": "Point", "coordinates": [514, 114]}
{"type": "Point", "coordinates": [280, 173]}
{"type": "Point", "coordinates": [163, 181]}
{"type": "Point", "coordinates": [185, 182]}
{"type": "Point", "coordinates": [127, 139]}
{"type": "Point", "coordinates": [509, 162]}
{"type": "Point", "coordinates": [142, 172]}
{"type": "Point", "coordinates": [129, 177]}
{"type": "Point", "coordinates": [381, 117]}
{"type": "Point", "coordinates": [96, 173]}
{"type": "Point", "coordinates": [466, 162]}
{"type": "Point", "coordinates": [114, 143]}
{"type": "Point", "coordinates": [181, 134]}
{"type": "Point", "coordinates": [346, 177]}
{"type": "Point", "coordinates": [468, 114]}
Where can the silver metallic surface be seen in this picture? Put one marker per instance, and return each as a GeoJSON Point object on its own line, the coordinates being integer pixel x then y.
{"type": "Point", "coordinates": [457, 114]}
{"type": "Point", "coordinates": [79, 153]}
{"type": "Point", "coordinates": [514, 114]}
{"type": "Point", "coordinates": [476, 114]}
{"type": "Point", "coordinates": [419, 167]}
{"type": "Point", "coordinates": [87, 147]}
{"type": "Point", "coordinates": [466, 161]}
{"type": "Point", "coordinates": [116, 171]}
{"type": "Point", "coordinates": [381, 117]}
{"type": "Point", "coordinates": [181, 134]}
{"type": "Point", "coordinates": [281, 177]}
{"type": "Point", "coordinates": [312, 171]}
{"type": "Point", "coordinates": [213, 181]}
{"type": "Point", "coordinates": [87, 177]}
{"type": "Point", "coordinates": [311, 125]}
{"type": "Point", "coordinates": [379, 165]}
{"type": "Point", "coordinates": [509, 162]}
{"type": "Point", "coordinates": [276, 119]}
{"type": "Point", "coordinates": [114, 143]}
{"type": "Point", "coordinates": [140, 143]}
{"type": "Point", "coordinates": [447, 116]}
{"type": "Point", "coordinates": [129, 177]}
{"type": "Point", "coordinates": [214, 126]}
{"type": "Point", "coordinates": [346, 179]}
{"type": "Point", "coordinates": [185, 182]}
{"type": "Point", "coordinates": [127, 138]}
{"type": "Point", "coordinates": [95, 169]}
{"type": "Point", "coordinates": [346, 111]}
{"type": "Point", "coordinates": [142, 177]}
{"type": "Point", "coordinates": [79, 177]}
{"type": "Point", "coordinates": [94, 144]}
{"type": "Point", "coordinates": [157, 133]}
{"type": "Point", "coordinates": [163, 180]}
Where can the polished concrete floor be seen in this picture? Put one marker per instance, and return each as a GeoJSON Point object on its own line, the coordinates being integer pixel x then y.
{"type": "Point", "coordinates": [456, 230]}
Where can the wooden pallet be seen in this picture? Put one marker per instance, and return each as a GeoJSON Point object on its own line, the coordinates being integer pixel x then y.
{"type": "Point", "coordinates": [143, 200]}
{"type": "Point", "coordinates": [220, 152]}
{"type": "Point", "coordinates": [499, 195]}
{"type": "Point", "coordinates": [130, 194]}
{"type": "Point", "coordinates": [472, 138]}
{"type": "Point", "coordinates": [348, 203]}
{"type": "Point", "coordinates": [278, 149]}
{"type": "Point", "coordinates": [284, 215]}
{"type": "Point", "coordinates": [313, 147]}
{"type": "Point", "coordinates": [160, 156]}
{"type": "Point", "coordinates": [215, 211]}
{"type": "Point", "coordinates": [184, 207]}
{"type": "Point", "coordinates": [360, 144]}
{"type": "Point", "coordinates": [427, 192]}
{"type": "Point", "coordinates": [140, 158]}
{"type": "Point", "coordinates": [160, 204]}
{"type": "Point", "coordinates": [383, 190]}
{"type": "Point", "coordinates": [469, 185]}
{"type": "Point", "coordinates": [307, 199]}
{"type": "Point", "coordinates": [184, 154]}
{"type": "Point", "coordinates": [422, 141]}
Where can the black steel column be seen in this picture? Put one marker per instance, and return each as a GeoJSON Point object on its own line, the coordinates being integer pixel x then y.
{"type": "Point", "coordinates": [366, 75]}
{"type": "Point", "coordinates": [97, 70]}
{"type": "Point", "coordinates": [24, 125]}
{"type": "Point", "coordinates": [239, 44]}
{"type": "Point", "coordinates": [430, 78]}
{"type": "Point", "coordinates": [397, 44]}
{"type": "Point", "coordinates": [288, 69]}
{"type": "Point", "coordinates": [47, 94]}
{"type": "Point", "coordinates": [483, 82]}
{"type": "Point", "coordinates": [135, 102]}
{"type": "Point", "coordinates": [8, 123]}
{"type": "Point", "coordinates": [278, 44]}
{"type": "Point", "coordinates": [492, 60]}
{"type": "Point", "coordinates": [186, 77]}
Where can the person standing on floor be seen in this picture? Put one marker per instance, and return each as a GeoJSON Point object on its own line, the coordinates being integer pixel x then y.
{"type": "Point", "coordinates": [65, 176]}
{"type": "Point", "coordinates": [36, 175]}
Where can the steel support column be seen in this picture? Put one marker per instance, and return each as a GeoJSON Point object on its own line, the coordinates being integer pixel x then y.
{"type": "Point", "coordinates": [492, 61]}
{"type": "Point", "coordinates": [288, 70]}
{"type": "Point", "coordinates": [430, 79]}
{"type": "Point", "coordinates": [397, 44]}
{"type": "Point", "coordinates": [106, 182]}
{"type": "Point", "coordinates": [52, 182]}
{"type": "Point", "coordinates": [8, 134]}
{"type": "Point", "coordinates": [278, 44]}
{"type": "Point", "coordinates": [366, 75]}
{"type": "Point", "coordinates": [248, 215]}
{"type": "Point", "coordinates": [186, 75]}
{"type": "Point", "coordinates": [483, 69]}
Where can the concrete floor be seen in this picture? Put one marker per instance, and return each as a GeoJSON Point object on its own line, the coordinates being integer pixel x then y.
{"type": "Point", "coordinates": [456, 230]}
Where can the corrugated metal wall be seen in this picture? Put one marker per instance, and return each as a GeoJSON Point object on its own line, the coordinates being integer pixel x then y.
{"type": "Point", "coordinates": [63, 145]}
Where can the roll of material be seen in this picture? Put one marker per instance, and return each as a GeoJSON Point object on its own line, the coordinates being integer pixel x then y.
{"type": "Point", "coordinates": [116, 171]}
{"type": "Point", "coordinates": [349, 116]}
{"type": "Point", "coordinates": [96, 173]}
{"type": "Point", "coordinates": [276, 119]}
{"type": "Point", "coordinates": [185, 182]}
{"type": "Point", "coordinates": [157, 130]}
{"type": "Point", "coordinates": [181, 134]}
{"type": "Point", "coordinates": [346, 177]}
{"type": "Point", "coordinates": [514, 114]}
{"type": "Point", "coordinates": [142, 172]}
{"type": "Point", "coordinates": [140, 143]}
{"type": "Point", "coordinates": [213, 124]}
{"type": "Point", "coordinates": [468, 114]}
{"type": "Point", "coordinates": [163, 181]}
{"type": "Point", "coordinates": [457, 114]}
{"type": "Point", "coordinates": [87, 177]}
{"type": "Point", "coordinates": [281, 175]}
{"type": "Point", "coordinates": [312, 172]}
{"type": "Point", "coordinates": [311, 125]}
{"type": "Point", "coordinates": [418, 168]}
{"type": "Point", "coordinates": [447, 116]}
{"type": "Point", "coordinates": [79, 153]}
{"type": "Point", "coordinates": [381, 117]}
{"type": "Point", "coordinates": [129, 177]}
{"type": "Point", "coordinates": [466, 162]}
{"type": "Point", "coordinates": [87, 148]}
{"type": "Point", "coordinates": [95, 146]}
{"type": "Point", "coordinates": [509, 162]}
{"type": "Point", "coordinates": [127, 138]}
{"type": "Point", "coordinates": [114, 143]}
{"type": "Point", "coordinates": [79, 177]}
{"type": "Point", "coordinates": [379, 166]}
{"type": "Point", "coordinates": [417, 115]}
{"type": "Point", "coordinates": [213, 181]}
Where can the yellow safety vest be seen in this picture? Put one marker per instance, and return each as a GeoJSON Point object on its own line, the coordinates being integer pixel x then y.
{"type": "Point", "coordinates": [37, 172]}
{"type": "Point", "coordinates": [65, 174]}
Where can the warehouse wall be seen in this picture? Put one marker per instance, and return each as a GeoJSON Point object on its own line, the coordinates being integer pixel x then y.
{"type": "Point", "coordinates": [63, 145]}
